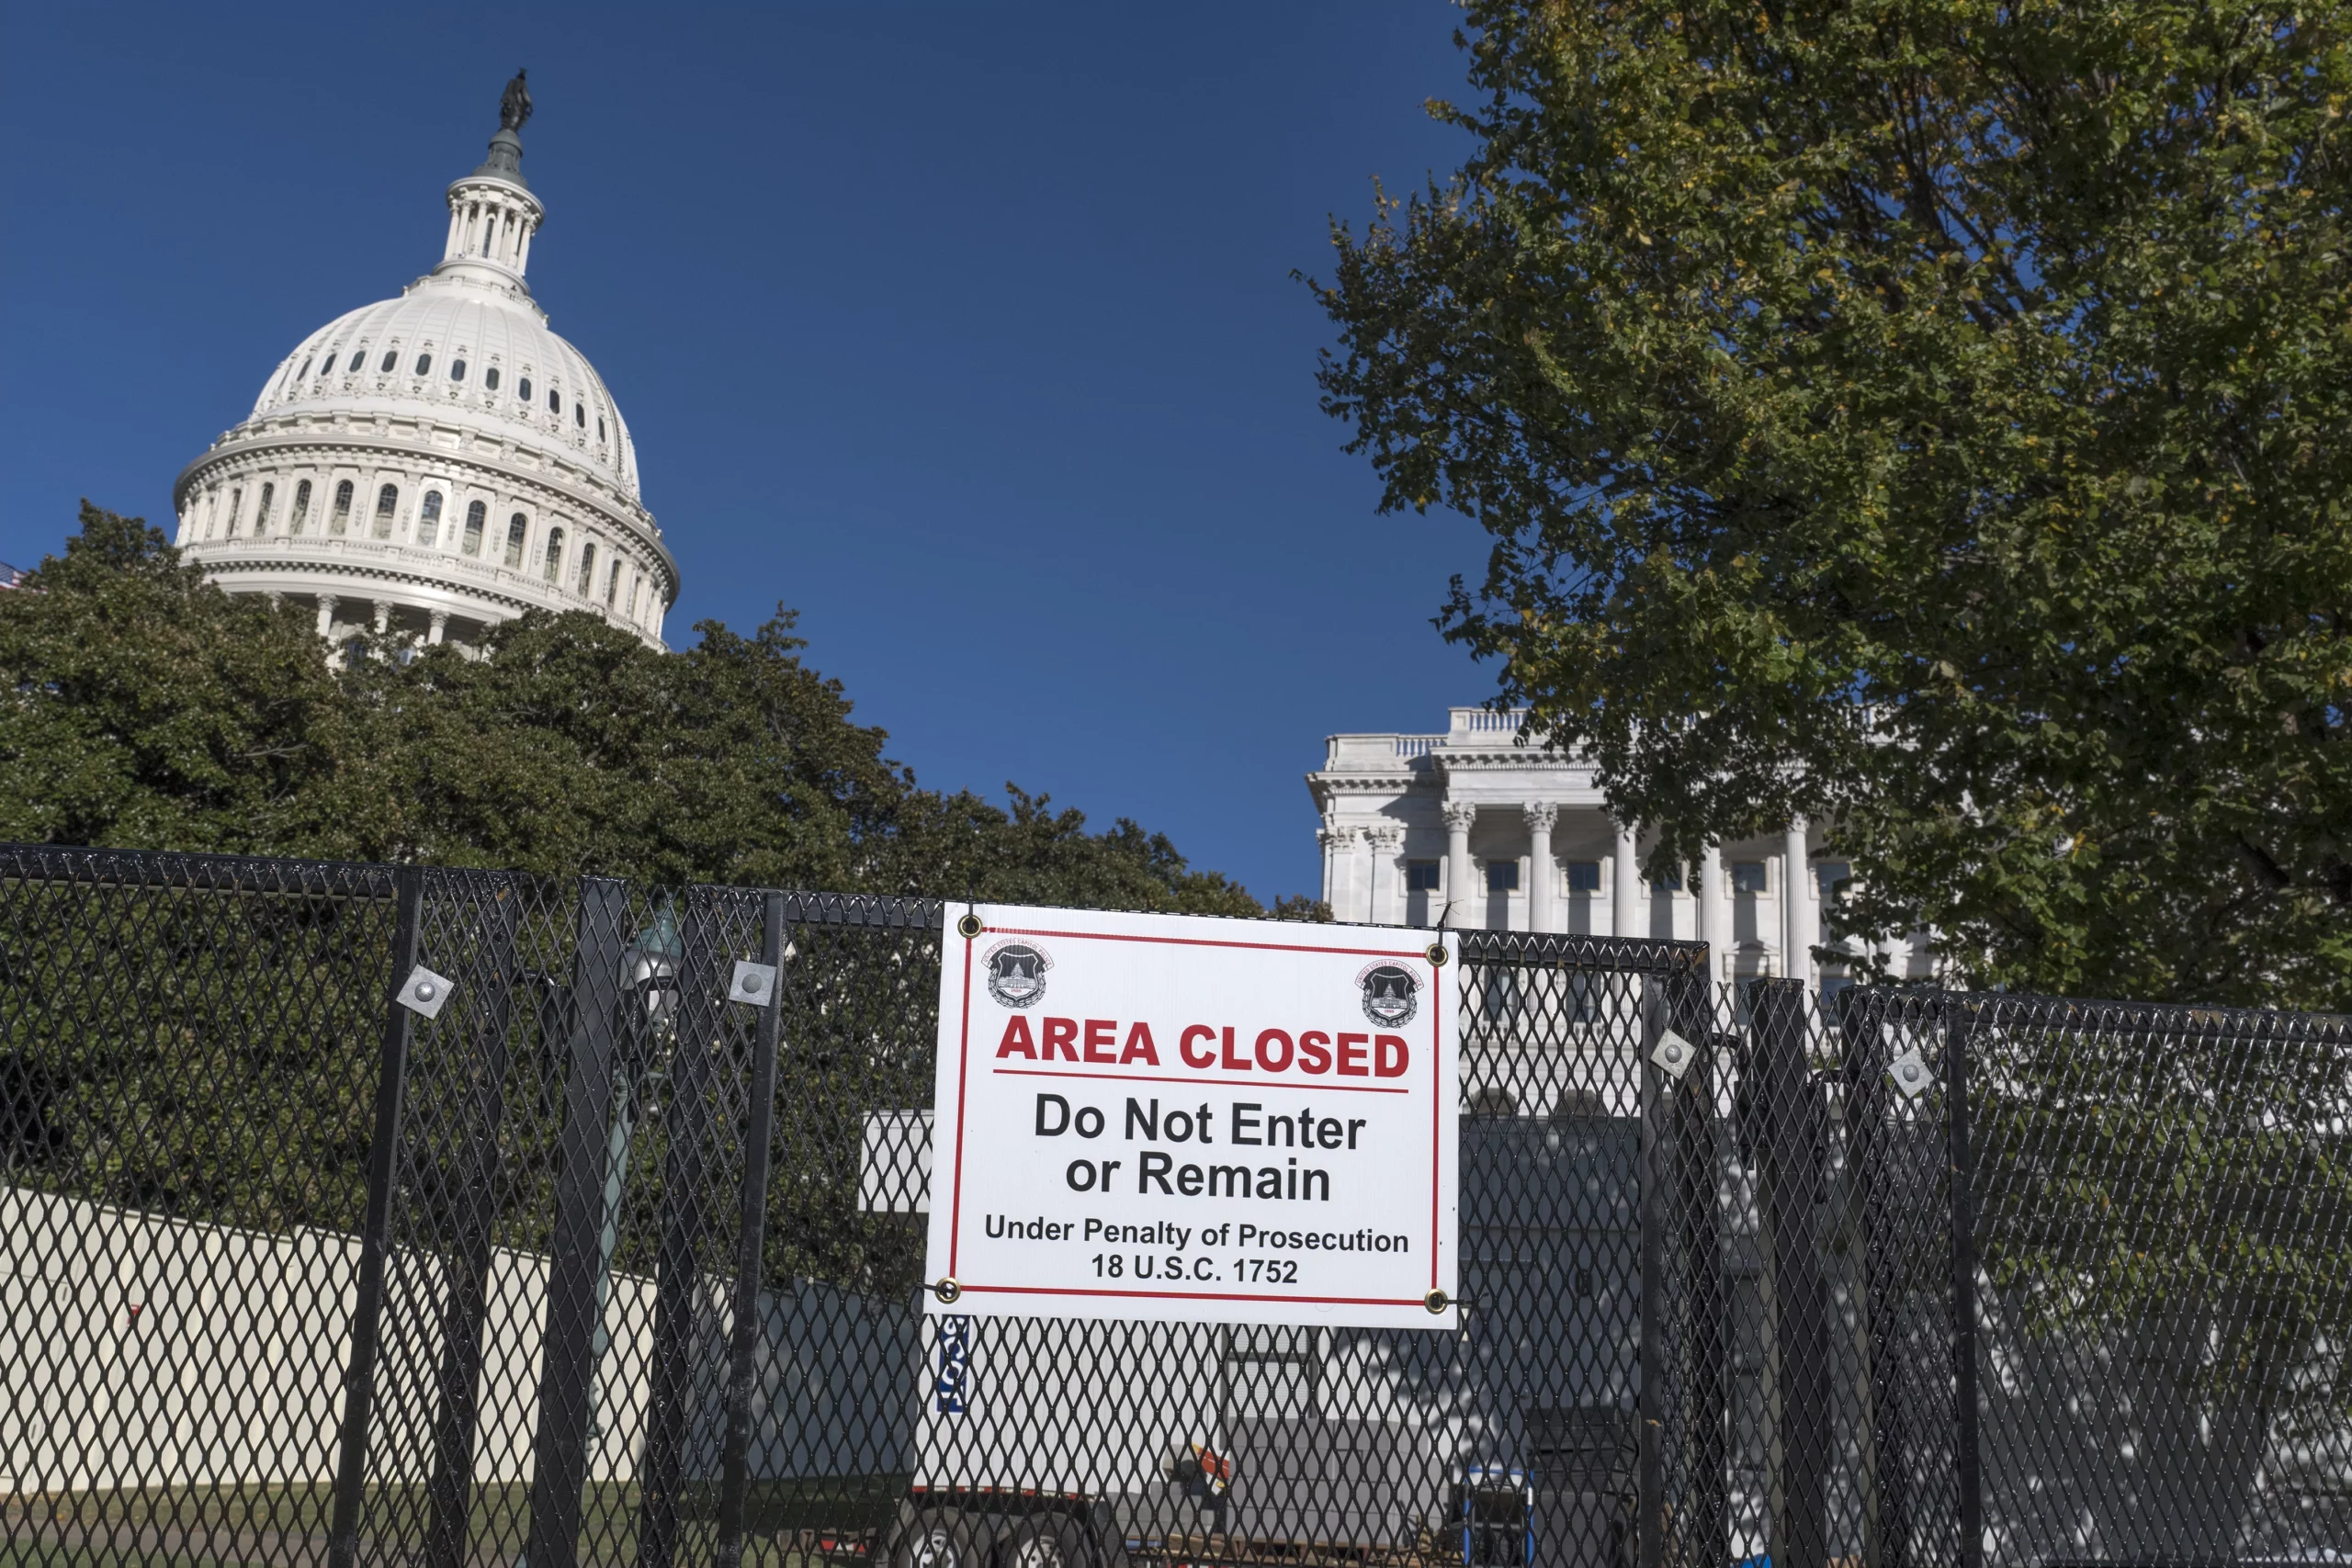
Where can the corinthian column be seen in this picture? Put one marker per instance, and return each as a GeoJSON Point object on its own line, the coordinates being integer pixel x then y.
{"type": "Point", "coordinates": [1544, 877]}
{"type": "Point", "coordinates": [1625, 884]}
{"type": "Point", "coordinates": [1714, 910]}
{"type": "Point", "coordinates": [1796, 906]}
{"type": "Point", "coordinates": [1460, 908]}
{"type": "Point", "coordinates": [1335, 840]}
{"type": "Point", "coordinates": [1385, 839]}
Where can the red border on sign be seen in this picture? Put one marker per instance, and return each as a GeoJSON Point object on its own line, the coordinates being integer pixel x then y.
{"type": "Point", "coordinates": [963, 1080]}
{"type": "Point", "coordinates": [1194, 1296]}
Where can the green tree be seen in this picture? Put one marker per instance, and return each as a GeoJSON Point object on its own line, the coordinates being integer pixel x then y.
{"type": "Point", "coordinates": [1929, 416]}
{"type": "Point", "coordinates": [145, 708]}
{"type": "Point", "coordinates": [150, 709]}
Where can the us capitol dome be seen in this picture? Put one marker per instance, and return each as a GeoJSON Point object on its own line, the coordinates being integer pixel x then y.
{"type": "Point", "coordinates": [432, 465]}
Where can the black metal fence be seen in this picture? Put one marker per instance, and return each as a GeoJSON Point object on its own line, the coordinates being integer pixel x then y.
{"type": "Point", "coordinates": [601, 1253]}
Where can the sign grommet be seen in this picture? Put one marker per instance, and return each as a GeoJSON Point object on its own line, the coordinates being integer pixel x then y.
{"type": "Point", "coordinates": [969, 926]}
{"type": "Point", "coordinates": [1437, 954]}
{"type": "Point", "coordinates": [947, 1290]}
{"type": "Point", "coordinates": [1437, 1301]}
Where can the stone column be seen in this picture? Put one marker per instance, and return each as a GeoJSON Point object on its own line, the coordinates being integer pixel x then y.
{"type": "Point", "coordinates": [383, 616]}
{"type": "Point", "coordinates": [1625, 884]}
{"type": "Point", "coordinates": [326, 614]}
{"type": "Point", "coordinates": [1796, 906]}
{"type": "Point", "coordinates": [440, 627]}
{"type": "Point", "coordinates": [1461, 906]}
{"type": "Point", "coordinates": [1386, 841]}
{"type": "Point", "coordinates": [1342, 890]}
{"type": "Point", "coordinates": [1715, 912]}
{"type": "Point", "coordinates": [1544, 877]}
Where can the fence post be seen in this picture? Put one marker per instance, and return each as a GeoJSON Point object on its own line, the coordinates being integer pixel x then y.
{"type": "Point", "coordinates": [1704, 1523]}
{"type": "Point", "coordinates": [1871, 1172]}
{"type": "Point", "coordinates": [383, 1174]}
{"type": "Point", "coordinates": [735, 1470]}
{"type": "Point", "coordinates": [568, 1369]}
{"type": "Point", "coordinates": [687, 1129]}
{"type": "Point", "coordinates": [1649, 1474]}
{"type": "Point", "coordinates": [1966, 1459]}
{"type": "Point", "coordinates": [1791, 1149]}
{"type": "Point", "coordinates": [488, 973]}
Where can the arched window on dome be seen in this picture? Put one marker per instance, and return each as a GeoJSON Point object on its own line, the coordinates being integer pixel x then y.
{"type": "Point", "coordinates": [476, 516]}
{"type": "Point", "coordinates": [600, 430]}
{"type": "Point", "coordinates": [388, 501]}
{"type": "Point", "coordinates": [490, 378]}
{"type": "Point", "coordinates": [261, 512]}
{"type": "Point", "coordinates": [555, 401]}
{"type": "Point", "coordinates": [428, 519]}
{"type": "Point", "coordinates": [341, 520]}
{"type": "Point", "coordinates": [523, 388]}
{"type": "Point", "coordinates": [304, 373]}
{"type": "Point", "coordinates": [300, 516]}
{"type": "Point", "coordinates": [586, 583]}
{"type": "Point", "coordinates": [518, 529]}
{"type": "Point", "coordinates": [553, 570]}
{"type": "Point", "coordinates": [391, 357]}
{"type": "Point", "coordinates": [613, 584]}
{"type": "Point", "coordinates": [236, 499]}
{"type": "Point", "coordinates": [579, 413]}
{"type": "Point", "coordinates": [457, 370]}
{"type": "Point", "coordinates": [425, 365]}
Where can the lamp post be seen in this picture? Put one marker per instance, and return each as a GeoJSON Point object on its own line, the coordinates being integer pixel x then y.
{"type": "Point", "coordinates": [649, 1005]}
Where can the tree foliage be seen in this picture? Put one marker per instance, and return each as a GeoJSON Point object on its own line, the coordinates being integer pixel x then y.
{"type": "Point", "coordinates": [149, 709]}
{"type": "Point", "coordinates": [1929, 415]}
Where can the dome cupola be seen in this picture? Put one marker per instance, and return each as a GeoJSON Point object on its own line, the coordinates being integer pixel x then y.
{"type": "Point", "coordinates": [441, 461]}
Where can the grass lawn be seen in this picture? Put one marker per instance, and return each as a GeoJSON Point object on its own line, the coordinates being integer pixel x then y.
{"type": "Point", "coordinates": [21, 1554]}
{"type": "Point", "coordinates": [270, 1526]}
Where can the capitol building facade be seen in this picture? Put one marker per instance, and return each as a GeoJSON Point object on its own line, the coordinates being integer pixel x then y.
{"type": "Point", "coordinates": [432, 465]}
{"type": "Point", "coordinates": [1477, 827]}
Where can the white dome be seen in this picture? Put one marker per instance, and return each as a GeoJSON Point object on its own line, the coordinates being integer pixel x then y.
{"type": "Point", "coordinates": [433, 464]}
{"type": "Point", "coordinates": [445, 343]}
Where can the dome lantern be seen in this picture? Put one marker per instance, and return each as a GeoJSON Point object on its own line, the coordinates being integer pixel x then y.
{"type": "Point", "coordinates": [493, 213]}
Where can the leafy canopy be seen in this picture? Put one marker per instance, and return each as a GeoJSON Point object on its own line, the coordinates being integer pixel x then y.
{"type": "Point", "coordinates": [146, 708]}
{"type": "Point", "coordinates": [1927, 415]}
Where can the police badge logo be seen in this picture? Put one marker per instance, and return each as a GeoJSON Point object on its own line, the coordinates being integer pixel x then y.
{"type": "Point", "coordinates": [1391, 995]}
{"type": "Point", "coordinates": [1017, 973]}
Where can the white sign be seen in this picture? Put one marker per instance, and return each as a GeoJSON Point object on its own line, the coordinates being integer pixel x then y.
{"type": "Point", "coordinates": [1167, 1117]}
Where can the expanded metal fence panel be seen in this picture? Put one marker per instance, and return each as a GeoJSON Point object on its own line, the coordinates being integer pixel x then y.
{"type": "Point", "coordinates": [1895, 1061]}
{"type": "Point", "coordinates": [2163, 1243]}
{"type": "Point", "coordinates": [189, 1053]}
{"type": "Point", "coordinates": [359, 1215]}
{"type": "Point", "coordinates": [1768, 1342]}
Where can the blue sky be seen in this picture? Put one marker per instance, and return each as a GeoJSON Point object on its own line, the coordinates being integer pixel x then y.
{"type": "Point", "coordinates": [966, 330]}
